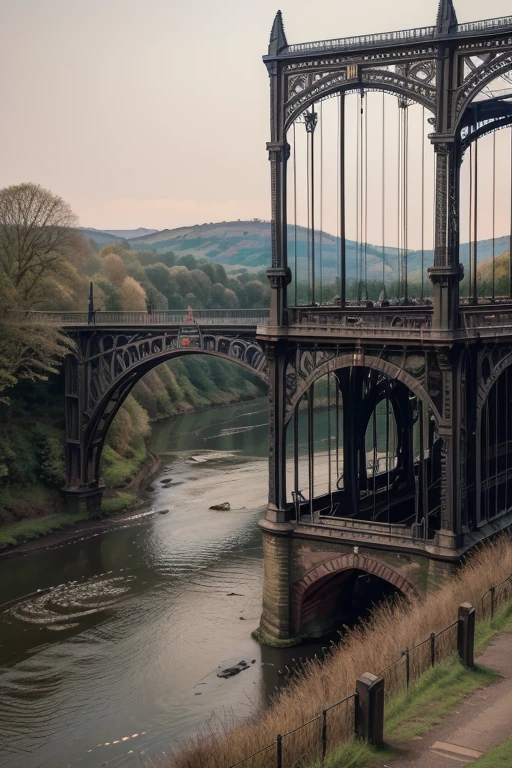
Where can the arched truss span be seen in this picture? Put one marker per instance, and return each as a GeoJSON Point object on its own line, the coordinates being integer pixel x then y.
{"type": "Point", "coordinates": [112, 363]}
{"type": "Point", "coordinates": [334, 84]}
{"type": "Point", "coordinates": [477, 81]}
{"type": "Point", "coordinates": [484, 130]}
{"type": "Point", "coordinates": [486, 384]}
{"type": "Point", "coordinates": [337, 566]}
{"type": "Point", "coordinates": [300, 379]}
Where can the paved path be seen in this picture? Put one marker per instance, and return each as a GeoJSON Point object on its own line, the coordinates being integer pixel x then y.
{"type": "Point", "coordinates": [483, 720]}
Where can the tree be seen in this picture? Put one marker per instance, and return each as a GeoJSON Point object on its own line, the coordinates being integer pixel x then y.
{"type": "Point", "coordinates": [187, 261]}
{"type": "Point", "coordinates": [34, 233]}
{"type": "Point", "coordinates": [34, 237]}
{"type": "Point", "coordinates": [133, 296]}
{"type": "Point", "coordinates": [115, 269]}
{"type": "Point", "coordinates": [30, 348]}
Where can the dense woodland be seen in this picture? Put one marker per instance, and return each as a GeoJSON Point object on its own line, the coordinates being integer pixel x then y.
{"type": "Point", "coordinates": [55, 275]}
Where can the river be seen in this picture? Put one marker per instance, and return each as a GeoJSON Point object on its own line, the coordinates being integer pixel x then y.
{"type": "Point", "coordinates": [110, 644]}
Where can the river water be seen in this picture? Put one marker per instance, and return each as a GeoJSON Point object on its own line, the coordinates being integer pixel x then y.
{"type": "Point", "coordinates": [110, 644]}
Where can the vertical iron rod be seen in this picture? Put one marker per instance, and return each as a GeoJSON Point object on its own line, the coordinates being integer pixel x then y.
{"type": "Point", "coordinates": [321, 200]}
{"type": "Point", "coordinates": [510, 240]}
{"type": "Point", "coordinates": [470, 241]}
{"type": "Point", "coordinates": [296, 459]}
{"type": "Point", "coordinates": [494, 215]}
{"type": "Point", "coordinates": [366, 200]}
{"type": "Point", "coordinates": [337, 430]}
{"type": "Point", "coordinates": [475, 227]}
{"type": "Point", "coordinates": [496, 446]}
{"type": "Point", "coordinates": [312, 177]}
{"type": "Point", "coordinates": [423, 205]}
{"type": "Point", "coordinates": [406, 197]}
{"type": "Point", "coordinates": [329, 474]}
{"type": "Point", "coordinates": [311, 447]}
{"type": "Point", "coordinates": [387, 449]}
{"type": "Point", "coordinates": [384, 195]}
{"type": "Point", "coordinates": [296, 274]}
{"type": "Point", "coordinates": [343, 242]}
{"type": "Point", "coordinates": [279, 751]}
{"type": "Point", "coordinates": [375, 460]}
{"type": "Point", "coordinates": [432, 649]}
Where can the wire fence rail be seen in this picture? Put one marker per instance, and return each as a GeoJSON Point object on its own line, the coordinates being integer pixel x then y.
{"type": "Point", "coordinates": [339, 721]}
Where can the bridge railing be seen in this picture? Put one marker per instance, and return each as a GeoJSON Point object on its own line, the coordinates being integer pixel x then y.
{"type": "Point", "coordinates": [364, 41]}
{"type": "Point", "coordinates": [159, 317]}
{"type": "Point", "coordinates": [398, 36]}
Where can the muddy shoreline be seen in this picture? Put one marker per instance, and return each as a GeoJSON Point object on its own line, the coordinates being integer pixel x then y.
{"type": "Point", "coordinates": [138, 484]}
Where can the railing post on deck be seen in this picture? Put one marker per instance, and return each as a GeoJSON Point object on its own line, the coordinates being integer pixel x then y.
{"type": "Point", "coordinates": [370, 709]}
{"type": "Point", "coordinates": [466, 634]}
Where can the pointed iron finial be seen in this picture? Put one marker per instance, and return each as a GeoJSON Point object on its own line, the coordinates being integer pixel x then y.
{"type": "Point", "coordinates": [90, 313]}
{"type": "Point", "coordinates": [277, 36]}
{"type": "Point", "coordinates": [446, 18]}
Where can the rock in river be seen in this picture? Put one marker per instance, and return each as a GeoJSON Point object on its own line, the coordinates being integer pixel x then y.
{"type": "Point", "coordinates": [232, 671]}
{"type": "Point", "coordinates": [221, 507]}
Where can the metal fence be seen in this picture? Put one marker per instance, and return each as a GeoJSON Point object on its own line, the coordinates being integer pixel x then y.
{"type": "Point", "coordinates": [338, 722]}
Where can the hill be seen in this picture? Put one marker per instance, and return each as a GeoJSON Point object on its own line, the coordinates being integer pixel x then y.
{"type": "Point", "coordinates": [99, 237]}
{"type": "Point", "coordinates": [129, 234]}
{"type": "Point", "coordinates": [236, 244]}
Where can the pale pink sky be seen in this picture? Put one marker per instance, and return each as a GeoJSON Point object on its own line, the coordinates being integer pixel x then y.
{"type": "Point", "coordinates": [155, 112]}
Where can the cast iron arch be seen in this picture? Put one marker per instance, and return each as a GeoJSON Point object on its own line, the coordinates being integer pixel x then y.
{"type": "Point", "coordinates": [476, 82]}
{"type": "Point", "coordinates": [343, 86]}
{"type": "Point", "coordinates": [113, 391]}
{"type": "Point", "coordinates": [362, 361]}
{"type": "Point", "coordinates": [348, 562]}
{"type": "Point", "coordinates": [484, 130]}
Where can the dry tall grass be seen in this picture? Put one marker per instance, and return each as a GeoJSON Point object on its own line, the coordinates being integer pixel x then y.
{"type": "Point", "coordinates": [369, 648]}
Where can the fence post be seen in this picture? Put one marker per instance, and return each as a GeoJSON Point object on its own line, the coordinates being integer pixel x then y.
{"type": "Point", "coordinates": [492, 590]}
{"type": "Point", "coordinates": [324, 734]}
{"type": "Point", "coordinates": [407, 667]}
{"type": "Point", "coordinates": [466, 634]}
{"type": "Point", "coordinates": [279, 751]}
{"type": "Point", "coordinates": [370, 709]}
{"type": "Point", "coordinates": [433, 649]}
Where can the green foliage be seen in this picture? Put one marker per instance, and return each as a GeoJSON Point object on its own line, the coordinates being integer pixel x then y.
{"type": "Point", "coordinates": [499, 757]}
{"type": "Point", "coordinates": [354, 754]}
{"type": "Point", "coordinates": [187, 261]}
{"type": "Point", "coordinates": [112, 505]}
{"type": "Point", "coordinates": [50, 455]}
{"type": "Point", "coordinates": [117, 470]}
{"type": "Point", "coordinates": [435, 694]}
{"type": "Point", "coordinates": [27, 530]}
{"type": "Point", "coordinates": [112, 295]}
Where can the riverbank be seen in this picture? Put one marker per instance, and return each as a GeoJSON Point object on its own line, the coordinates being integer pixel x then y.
{"type": "Point", "coordinates": [51, 530]}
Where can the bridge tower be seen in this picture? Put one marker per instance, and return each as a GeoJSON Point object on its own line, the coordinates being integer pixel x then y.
{"type": "Point", "coordinates": [390, 451]}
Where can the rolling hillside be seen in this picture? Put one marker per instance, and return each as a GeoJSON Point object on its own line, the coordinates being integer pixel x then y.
{"type": "Point", "coordinates": [246, 244]}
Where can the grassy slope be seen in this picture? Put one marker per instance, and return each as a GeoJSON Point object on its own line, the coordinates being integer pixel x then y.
{"type": "Point", "coordinates": [500, 757]}
{"type": "Point", "coordinates": [365, 649]}
{"type": "Point", "coordinates": [412, 713]}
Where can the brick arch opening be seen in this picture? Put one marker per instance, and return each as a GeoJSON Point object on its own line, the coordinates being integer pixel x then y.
{"type": "Point", "coordinates": [322, 585]}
